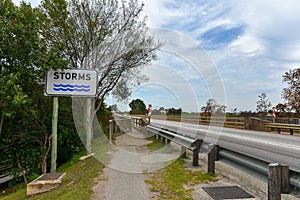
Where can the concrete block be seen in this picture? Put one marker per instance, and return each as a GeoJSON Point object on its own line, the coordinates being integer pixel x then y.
{"type": "Point", "coordinates": [44, 183]}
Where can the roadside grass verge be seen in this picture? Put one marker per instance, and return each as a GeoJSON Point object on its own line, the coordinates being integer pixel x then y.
{"type": "Point", "coordinates": [176, 181]}
{"type": "Point", "coordinates": [76, 184]}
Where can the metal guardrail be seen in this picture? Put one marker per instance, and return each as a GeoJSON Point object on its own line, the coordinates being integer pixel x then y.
{"type": "Point", "coordinates": [255, 165]}
{"type": "Point", "coordinates": [192, 144]}
{"type": "Point", "coordinates": [185, 141]}
{"type": "Point", "coordinates": [219, 153]}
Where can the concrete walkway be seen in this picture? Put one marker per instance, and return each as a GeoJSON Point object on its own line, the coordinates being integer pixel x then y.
{"type": "Point", "coordinates": [124, 178]}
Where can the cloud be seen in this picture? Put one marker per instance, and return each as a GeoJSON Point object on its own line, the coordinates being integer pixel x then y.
{"type": "Point", "coordinates": [252, 43]}
{"type": "Point", "coordinates": [272, 26]}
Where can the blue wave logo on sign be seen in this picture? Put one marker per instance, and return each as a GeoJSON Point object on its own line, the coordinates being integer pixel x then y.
{"type": "Point", "coordinates": [71, 88]}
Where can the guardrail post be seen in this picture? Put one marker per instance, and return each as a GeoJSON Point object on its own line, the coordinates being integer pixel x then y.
{"type": "Point", "coordinates": [274, 182]}
{"type": "Point", "coordinates": [158, 137]}
{"type": "Point", "coordinates": [168, 141]}
{"type": "Point", "coordinates": [212, 157]}
{"type": "Point", "coordinates": [164, 140]}
{"type": "Point", "coordinates": [285, 183]}
{"type": "Point", "coordinates": [196, 153]}
{"type": "Point", "coordinates": [183, 151]}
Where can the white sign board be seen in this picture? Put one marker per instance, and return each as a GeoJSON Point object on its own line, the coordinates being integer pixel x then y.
{"type": "Point", "coordinates": [73, 82]}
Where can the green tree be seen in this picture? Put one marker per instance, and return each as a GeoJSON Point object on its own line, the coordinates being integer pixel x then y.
{"type": "Point", "coordinates": [281, 108]}
{"type": "Point", "coordinates": [292, 93]}
{"type": "Point", "coordinates": [173, 111]}
{"type": "Point", "coordinates": [20, 48]}
{"type": "Point", "coordinates": [137, 107]}
{"type": "Point", "coordinates": [25, 113]}
{"type": "Point", "coordinates": [263, 104]}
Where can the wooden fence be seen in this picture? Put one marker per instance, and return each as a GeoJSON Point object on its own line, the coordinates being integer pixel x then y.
{"type": "Point", "coordinates": [230, 122]}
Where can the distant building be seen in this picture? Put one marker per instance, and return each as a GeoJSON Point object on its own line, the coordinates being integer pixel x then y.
{"type": "Point", "coordinates": [163, 112]}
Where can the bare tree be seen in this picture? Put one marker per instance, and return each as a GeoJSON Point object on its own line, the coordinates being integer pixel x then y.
{"type": "Point", "coordinates": [104, 35]}
{"type": "Point", "coordinates": [213, 107]}
{"type": "Point", "coordinates": [292, 93]}
{"type": "Point", "coordinates": [263, 104]}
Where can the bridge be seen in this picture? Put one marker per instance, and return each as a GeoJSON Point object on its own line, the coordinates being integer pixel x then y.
{"type": "Point", "coordinates": [255, 150]}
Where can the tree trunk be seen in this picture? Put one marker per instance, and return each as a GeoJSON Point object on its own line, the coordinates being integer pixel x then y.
{"type": "Point", "coordinates": [1, 122]}
{"type": "Point", "coordinates": [47, 144]}
{"type": "Point", "coordinates": [22, 170]}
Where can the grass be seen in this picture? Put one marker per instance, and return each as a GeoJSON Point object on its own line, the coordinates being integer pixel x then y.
{"type": "Point", "coordinates": [175, 181]}
{"type": "Point", "coordinates": [158, 145]}
{"type": "Point", "coordinates": [77, 183]}
{"type": "Point", "coordinates": [155, 144]}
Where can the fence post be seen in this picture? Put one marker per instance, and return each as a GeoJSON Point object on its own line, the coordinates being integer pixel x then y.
{"type": "Point", "coordinates": [212, 155]}
{"type": "Point", "coordinates": [196, 153]}
{"type": "Point", "coordinates": [274, 182]}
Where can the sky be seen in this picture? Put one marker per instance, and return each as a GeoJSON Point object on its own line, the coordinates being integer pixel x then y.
{"type": "Point", "coordinates": [229, 50]}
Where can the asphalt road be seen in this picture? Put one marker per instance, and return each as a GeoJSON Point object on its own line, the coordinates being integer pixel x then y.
{"type": "Point", "coordinates": [270, 147]}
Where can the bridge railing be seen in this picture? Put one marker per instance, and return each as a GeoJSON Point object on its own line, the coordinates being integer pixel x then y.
{"type": "Point", "coordinates": [230, 122]}
{"type": "Point", "coordinates": [120, 124]}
